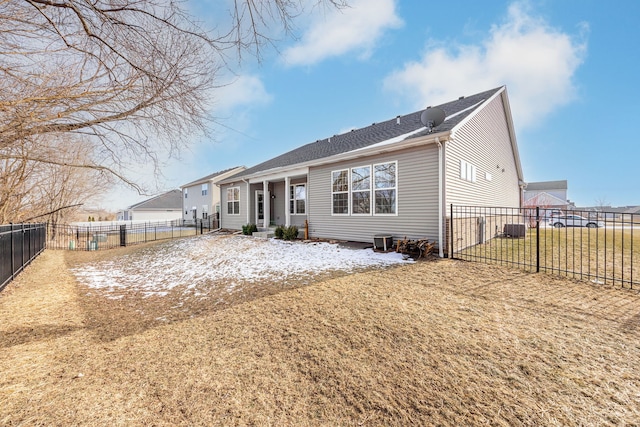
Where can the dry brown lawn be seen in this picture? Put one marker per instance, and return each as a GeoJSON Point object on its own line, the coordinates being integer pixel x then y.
{"type": "Point", "coordinates": [438, 342]}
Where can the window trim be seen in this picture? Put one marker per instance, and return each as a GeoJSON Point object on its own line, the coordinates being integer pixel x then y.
{"type": "Point", "coordinates": [233, 200]}
{"type": "Point", "coordinates": [394, 188]}
{"type": "Point", "coordinates": [293, 206]}
{"type": "Point", "coordinates": [372, 190]}
{"type": "Point", "coordinates": [352, 191]}
{"type": "Point", "coordinates": [347, 192]}
{"type": "Point", "coordinates": [468, 171]}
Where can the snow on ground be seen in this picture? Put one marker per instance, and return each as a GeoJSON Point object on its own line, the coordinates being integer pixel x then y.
{"type": "Point", "coordinates": [209, 260]}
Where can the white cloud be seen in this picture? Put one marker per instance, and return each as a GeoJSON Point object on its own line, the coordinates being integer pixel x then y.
{"type": "Point", "coordinates": [356, 28]}
{"type": "Point", "coordinates": [534, 60]}
{"type": "Point", "coordinates": [242, 92]}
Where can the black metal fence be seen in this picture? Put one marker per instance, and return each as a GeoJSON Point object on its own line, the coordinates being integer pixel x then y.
{"type": "Point", "coordinates": [19, 245]}
{"type": "Point", "coordinates": [91, 237]}
{"type": "Point", "coordinates": [603, 247]}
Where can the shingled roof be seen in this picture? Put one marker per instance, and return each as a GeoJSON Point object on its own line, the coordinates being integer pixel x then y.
{"type": "Point", "coordinates": [547, 185]}
{"type": "Point", "coordinates": [169, 200]}
{"type": "Point", "coordinates": [209, 177]}
{"type": "Point", "coordinates": [455, 112]}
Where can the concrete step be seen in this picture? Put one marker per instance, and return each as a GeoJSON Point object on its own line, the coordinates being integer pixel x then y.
{"type": "Point", "coordinates": [263, 234]}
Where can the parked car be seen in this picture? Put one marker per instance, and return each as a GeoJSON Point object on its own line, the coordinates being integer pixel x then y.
{"type": "Point", "coordinates": [574, 221]}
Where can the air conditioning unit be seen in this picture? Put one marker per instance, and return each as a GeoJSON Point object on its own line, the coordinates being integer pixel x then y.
{"type": "Point", "coordinates": [383, 242]}
{"type": "Point", "coordinates": [515, 230]}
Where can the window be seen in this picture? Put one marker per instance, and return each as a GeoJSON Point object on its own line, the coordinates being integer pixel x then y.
{"type": "Point", "coordinates": [297, 199]}
{"type": "Point", "coordinates": [233, 201]}
{"type": "Point", "coordinates": [340, 192]}
{"type": "Point", "coordinates": [385, 187]}
{"type": "Point", "coordinates": [361, 190]}
{"type": "Point", "coordinates": [467, 171]}
{"type": "Point", "coordinates": [205, 187]}
{"type": "Point", "coordinates": [205, 211]}
{"type": "Point", "coordinates": [365, 190]}
{"type": "Point", "coordinates": [186, 191]}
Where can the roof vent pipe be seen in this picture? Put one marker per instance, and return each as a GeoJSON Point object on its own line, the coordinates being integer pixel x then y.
{"type": "Point", "coordinates": [398, 120]}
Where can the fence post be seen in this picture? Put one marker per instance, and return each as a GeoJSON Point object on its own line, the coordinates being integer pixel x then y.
{"type": "Point", "coordinates": [123, 235]}
{"type": "Point", "coordinates": [13, 261]}
{"type": "Point", "coordinates": [451, 231]}
{"type": "Point", "coordinates": [537, 239]}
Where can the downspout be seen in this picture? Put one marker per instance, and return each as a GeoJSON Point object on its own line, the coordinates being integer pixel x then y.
{"type": "Point", "coordinates": [440, 200]}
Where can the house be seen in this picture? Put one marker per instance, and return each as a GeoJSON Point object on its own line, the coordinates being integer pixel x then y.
{"type": "Point", "coordinates": [201, 197]}
{"type": "Point", "coordinates": [163, 207]}
{"type": "Point", "coordinates": [551, 195]}
{"type": "Point", "coordinates": [397, 177]}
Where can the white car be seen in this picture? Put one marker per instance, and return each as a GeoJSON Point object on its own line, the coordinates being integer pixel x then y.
{"type": "Point", "coordinates": [574, 221]}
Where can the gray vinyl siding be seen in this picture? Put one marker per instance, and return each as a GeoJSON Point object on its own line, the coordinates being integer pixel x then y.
{"type": "Point", "coordinates": [196, 199]}
{"type": "Point", "coordinates": [234, 222]}
{"type": "Point", "coordinates": [417, 199]}
{"type": "Point", "coordinates": [485, 142]}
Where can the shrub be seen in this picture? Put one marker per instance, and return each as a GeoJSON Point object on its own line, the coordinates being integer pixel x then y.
{"type": "Point", "coordinates": [290, 233]}
{"type": "Point", "coordinates": [279, 232]}
{"type": "Point", "coordinates": [249, 229]}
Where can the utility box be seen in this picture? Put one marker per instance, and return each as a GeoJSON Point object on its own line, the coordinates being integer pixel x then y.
{"type": "Point", "coordinates": [515, 230]}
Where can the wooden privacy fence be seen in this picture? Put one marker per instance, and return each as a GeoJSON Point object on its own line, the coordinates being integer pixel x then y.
{"type": "Point", "coordinates": [19, 245]}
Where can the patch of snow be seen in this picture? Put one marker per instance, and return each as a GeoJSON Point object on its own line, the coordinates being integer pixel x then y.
{"type": "Point", "coordinates": [228, 261]}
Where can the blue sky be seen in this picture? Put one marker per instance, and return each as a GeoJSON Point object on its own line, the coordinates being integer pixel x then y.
{"type": "Point", "coordinates": [571, 67]}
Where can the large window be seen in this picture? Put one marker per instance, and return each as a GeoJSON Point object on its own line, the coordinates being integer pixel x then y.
{"type": "Point", "coordinates": [340, 192]}
{"type": "Point", "coordinates": [205, 188]}
{"type": "Point", "coordinates": [365, 190]}
{"type": "Point", "coordinates": [233, 201]}
{"type": "Point", "coordinates": [385, 177]}
{"type": "Point", "coordinates": [361, 190]}
{"type": "Point", "coordinates": [297, 199]}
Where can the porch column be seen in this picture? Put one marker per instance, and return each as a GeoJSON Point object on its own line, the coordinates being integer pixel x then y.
{"type": "Point", "coordinates": [266, 203]}
{"type": "Point", "coordinates": [287, 195]}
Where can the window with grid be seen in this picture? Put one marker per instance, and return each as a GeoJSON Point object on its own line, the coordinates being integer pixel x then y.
{"type": "Point", "coordinates": [340, 192]}
{"type": "Point", "coordinates": [361, 190]}
{"type": "Point", "coordinates": [297, 199]}
{"type": "Point", "coordinates": [385, 191]}
{"type": "Point", "coordinates": [233, 201]}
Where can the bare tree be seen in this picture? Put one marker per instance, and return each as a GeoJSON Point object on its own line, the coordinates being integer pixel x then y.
{"type": "Point", "coordinates": [124, 80]}
{"type": "Point", "coordinates": [48, 190]}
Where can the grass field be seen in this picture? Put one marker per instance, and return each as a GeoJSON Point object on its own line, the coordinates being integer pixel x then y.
{"type": "Point", "coordinates": [437, 342]}
{"type": "Point", "coordinates": [600, 255]}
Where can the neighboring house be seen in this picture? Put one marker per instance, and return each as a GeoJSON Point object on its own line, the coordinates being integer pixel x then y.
{"type": "Point", "coordinates": [164, 207]}
{"type": "Point", "coordinates": [396, 177]}
{"type": "Point", "coordinates": [201, 198]}
{"type": "Point", "coordinates": [547, 194]}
